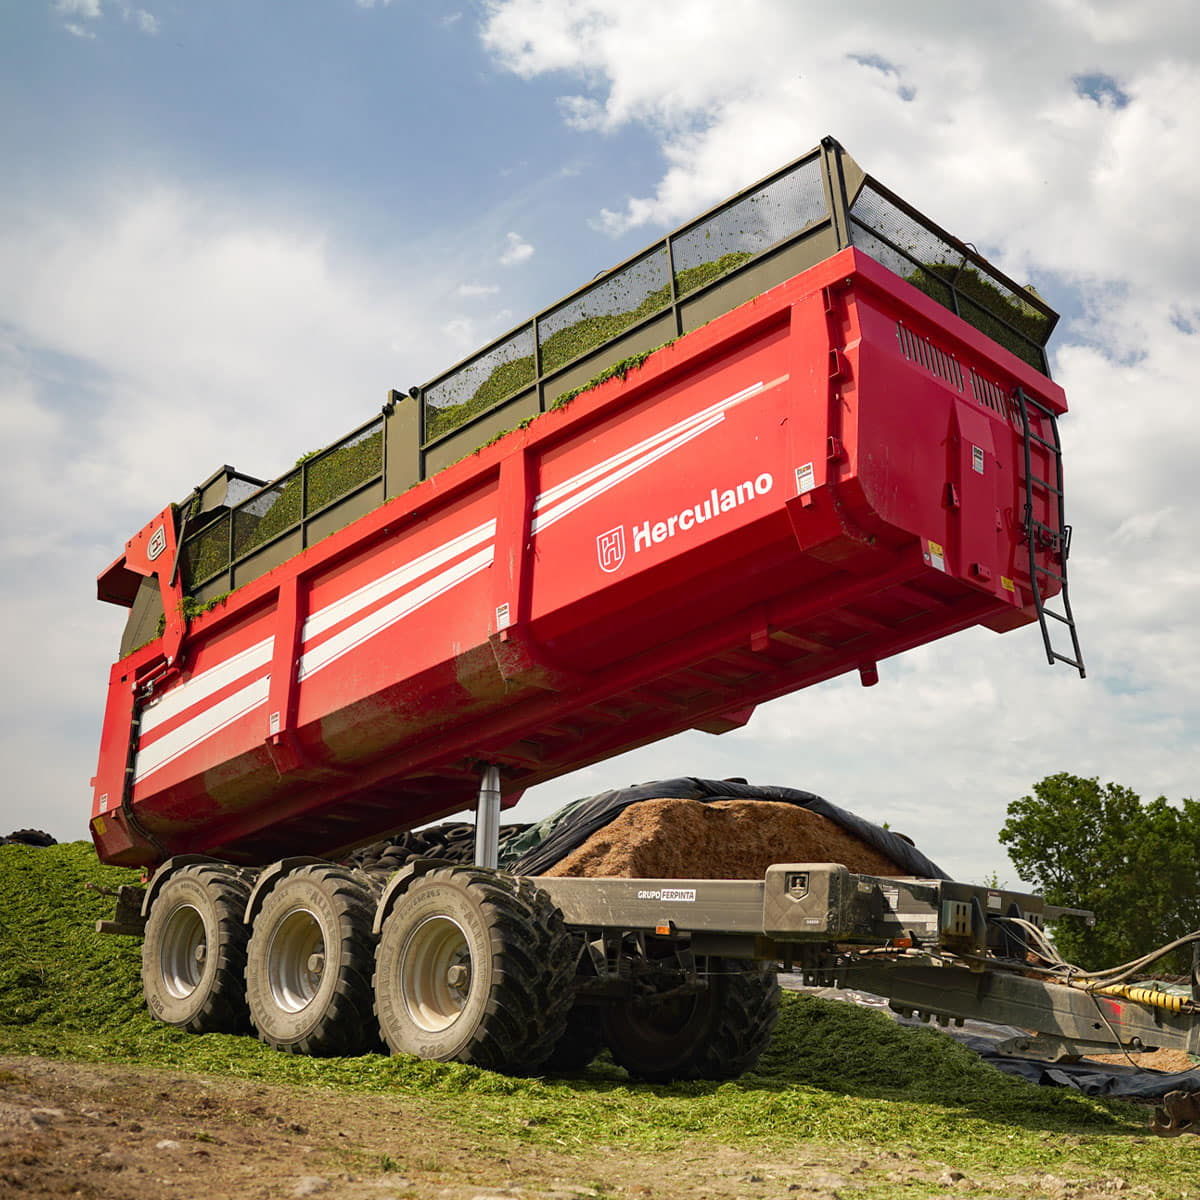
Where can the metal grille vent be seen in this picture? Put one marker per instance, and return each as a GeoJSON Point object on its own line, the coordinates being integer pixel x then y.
{"type": "Point", "coordinates": [923, 352]}
{"type": "Point", "coordinates": [990, 394]}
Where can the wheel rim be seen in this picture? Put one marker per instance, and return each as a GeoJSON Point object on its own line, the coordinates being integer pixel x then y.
{"type": "Point", "coordinates": [184, 954]}
{"type": "Point", "coordinates": [435, 973]}
{"type": "Point", "coordinates": [296, 960]}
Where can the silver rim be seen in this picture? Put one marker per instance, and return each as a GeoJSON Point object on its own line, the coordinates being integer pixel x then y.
{"type": "Point", "coordinates": [435, 973]}
{"type": "Point", "coordinates": [296, 960]}
{"type": "Point", "coordinates": [184, 953]}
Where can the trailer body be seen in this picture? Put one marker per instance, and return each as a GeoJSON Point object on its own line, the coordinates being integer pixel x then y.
{"type": "Point", "coordinates": [828, 475]}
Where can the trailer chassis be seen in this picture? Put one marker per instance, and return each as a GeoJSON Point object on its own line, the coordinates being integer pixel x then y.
{"type": "Point", "coordinates": [934, 948]}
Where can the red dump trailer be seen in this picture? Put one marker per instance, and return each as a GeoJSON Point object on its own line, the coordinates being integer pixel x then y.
{"type": "Point", "coordinates": [802, 433]}
{"type": "Point", "coordinates": [834, 471]}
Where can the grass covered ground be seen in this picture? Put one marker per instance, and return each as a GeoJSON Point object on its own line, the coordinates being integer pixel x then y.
{"type": "Point", "coordinates": [834, 1074]}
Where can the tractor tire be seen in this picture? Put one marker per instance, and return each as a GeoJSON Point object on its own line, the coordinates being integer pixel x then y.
{"type": "Point", "coordinates": [194, 952]}
{"type": "Point", "coordinates": [716, 1034]}
{"type": "Point", "coordinates": [477, 967]}
{"type": "Point", "coordinates": [308, 964]}
{"type": "Point", "coordinates": [581, 1041]}
{"type": "Point", "coordinates": [451, 841]}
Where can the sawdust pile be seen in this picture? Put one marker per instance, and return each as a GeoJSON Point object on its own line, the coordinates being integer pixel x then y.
{"type": "Point", "coordinates": [1156, 1060]}
{"type": "Point", "coordinates": [724, 839]}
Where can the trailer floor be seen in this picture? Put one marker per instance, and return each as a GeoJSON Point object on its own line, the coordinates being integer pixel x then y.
{"type": "Point", "coordinates": [126, 1133]}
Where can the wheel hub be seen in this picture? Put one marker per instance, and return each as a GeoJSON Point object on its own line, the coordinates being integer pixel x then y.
{"type": "Point", "coordinates": [184, 952]}
{"type": "Point", "coordinates": [435, 973]}
{"type": "Point", "coordinates": [296, 960]}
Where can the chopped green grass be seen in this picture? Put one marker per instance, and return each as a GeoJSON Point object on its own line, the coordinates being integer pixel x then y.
{"type": "Point", "coordinates": [1000, 315]}
{"type": "Point", "coordinates": [588, 333]}
{"type": "Point", "coordinates": [834, 1072]}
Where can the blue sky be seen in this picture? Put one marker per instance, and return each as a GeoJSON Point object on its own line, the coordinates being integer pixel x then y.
{"type": "Point", "coordinates": [228, 228]}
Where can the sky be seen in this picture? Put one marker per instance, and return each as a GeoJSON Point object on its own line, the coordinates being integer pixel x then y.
{"type": "Point", "coordinates": [228, 227]}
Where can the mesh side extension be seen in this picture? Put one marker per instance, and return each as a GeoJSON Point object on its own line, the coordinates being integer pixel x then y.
{"type": "Point", "coordinates": [274, 510]}
{"type": "Point", "coordinates": [758, 221]}
{"type": "Point", "coordinates": [943, 272]}
{"type": "Point", "coordinates": [605, 311]}
{"type": "Point", "coordinates": [343, 468]}
{"type": "Point", "coordinates": [206, 553]}
{"type": "Point", "coordinates": [481, 383]}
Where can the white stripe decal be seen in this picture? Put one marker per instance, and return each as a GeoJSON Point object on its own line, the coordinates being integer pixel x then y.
{"type": "Point", "coordinates": [550, 506]}
{"type": "Point", "coordinates": [179, 741]}
{"type": "Point", "coordinates": [339, 610]}
{"type": "Point", "coordinates": [561, 489]}
{"type": "Point", "coordinates": [204, 684]}
{"type": "Point", "coordinates": [397, 610]}
{"type": "Point", "coordinates": [548, 518]}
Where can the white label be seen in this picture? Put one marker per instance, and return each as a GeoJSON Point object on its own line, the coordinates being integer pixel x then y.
{"type": "Point", "coordinates": [806, 479]}
{"type": "Point", "coordinates": [977, 459]}
{"type": "Point", "coordinates": [679, 895]}
{"type": "Point", "coordinates": [994, 900]}
{"type": "Point", "coordinates": [503, 617]}
{"type": "Point", "coordinates": [935, 556]}
{"type": "Point", "coordinates": [273, 722]}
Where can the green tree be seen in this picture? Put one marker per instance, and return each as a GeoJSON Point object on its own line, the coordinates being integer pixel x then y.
{"type": "Point", "coordinates": [1084, 844]}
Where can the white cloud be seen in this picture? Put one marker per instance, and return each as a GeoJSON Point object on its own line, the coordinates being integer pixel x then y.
{"type": "Point", "coordinates": [89, 10]}
{"type": "Point", "coordinates": [516, 250]}
{"type": "Point", "coordinates": [461, 331]}
{"type": "Point", "coordinates": [471, 290]}
{"type": "Point", "coordinates": [146, 22]}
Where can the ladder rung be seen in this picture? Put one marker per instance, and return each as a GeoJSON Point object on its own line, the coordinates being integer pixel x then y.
{"type": "Point", "coordinates": [1069, 661]}
{"type": "Point", "coordinates": [1052, 574]}
{"type": "Point", "coordinates": [1041, 526]}
{"type": "Point", "coordinates": [1039, 406]}
{"type": "Point", "coordinates": [1049, 612]}
{"type": "Point", "coordinates": [1048, 486]}
{"type": "Point", "coordinates": [1041, 441]}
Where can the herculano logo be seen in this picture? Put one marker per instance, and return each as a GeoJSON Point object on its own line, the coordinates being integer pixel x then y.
{"type": "Point", "coordinates": [610, 546]}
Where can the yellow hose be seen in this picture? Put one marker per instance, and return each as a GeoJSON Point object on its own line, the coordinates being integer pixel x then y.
{"type": "Point", "coordinates": [1144, 995]}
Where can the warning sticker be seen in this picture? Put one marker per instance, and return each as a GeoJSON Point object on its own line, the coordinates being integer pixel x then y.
{"type": "Point", "coordinates": [806, 479]}
{"type": "Point", "coordinates": [503, 617]}
{"type": "Point", "coordinates": [1007, 584]}
{"type": "Point", "coordinates": [935, 556]}
{"type": "Point", "coordinates": [977, 459]}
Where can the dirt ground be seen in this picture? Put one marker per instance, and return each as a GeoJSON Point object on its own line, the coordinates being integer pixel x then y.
{"type": "Point", "coordinates": [124, 1133]}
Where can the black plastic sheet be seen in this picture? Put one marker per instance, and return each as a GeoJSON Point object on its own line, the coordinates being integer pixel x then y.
{"type": "Point", "coordinates": [575, 824]}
